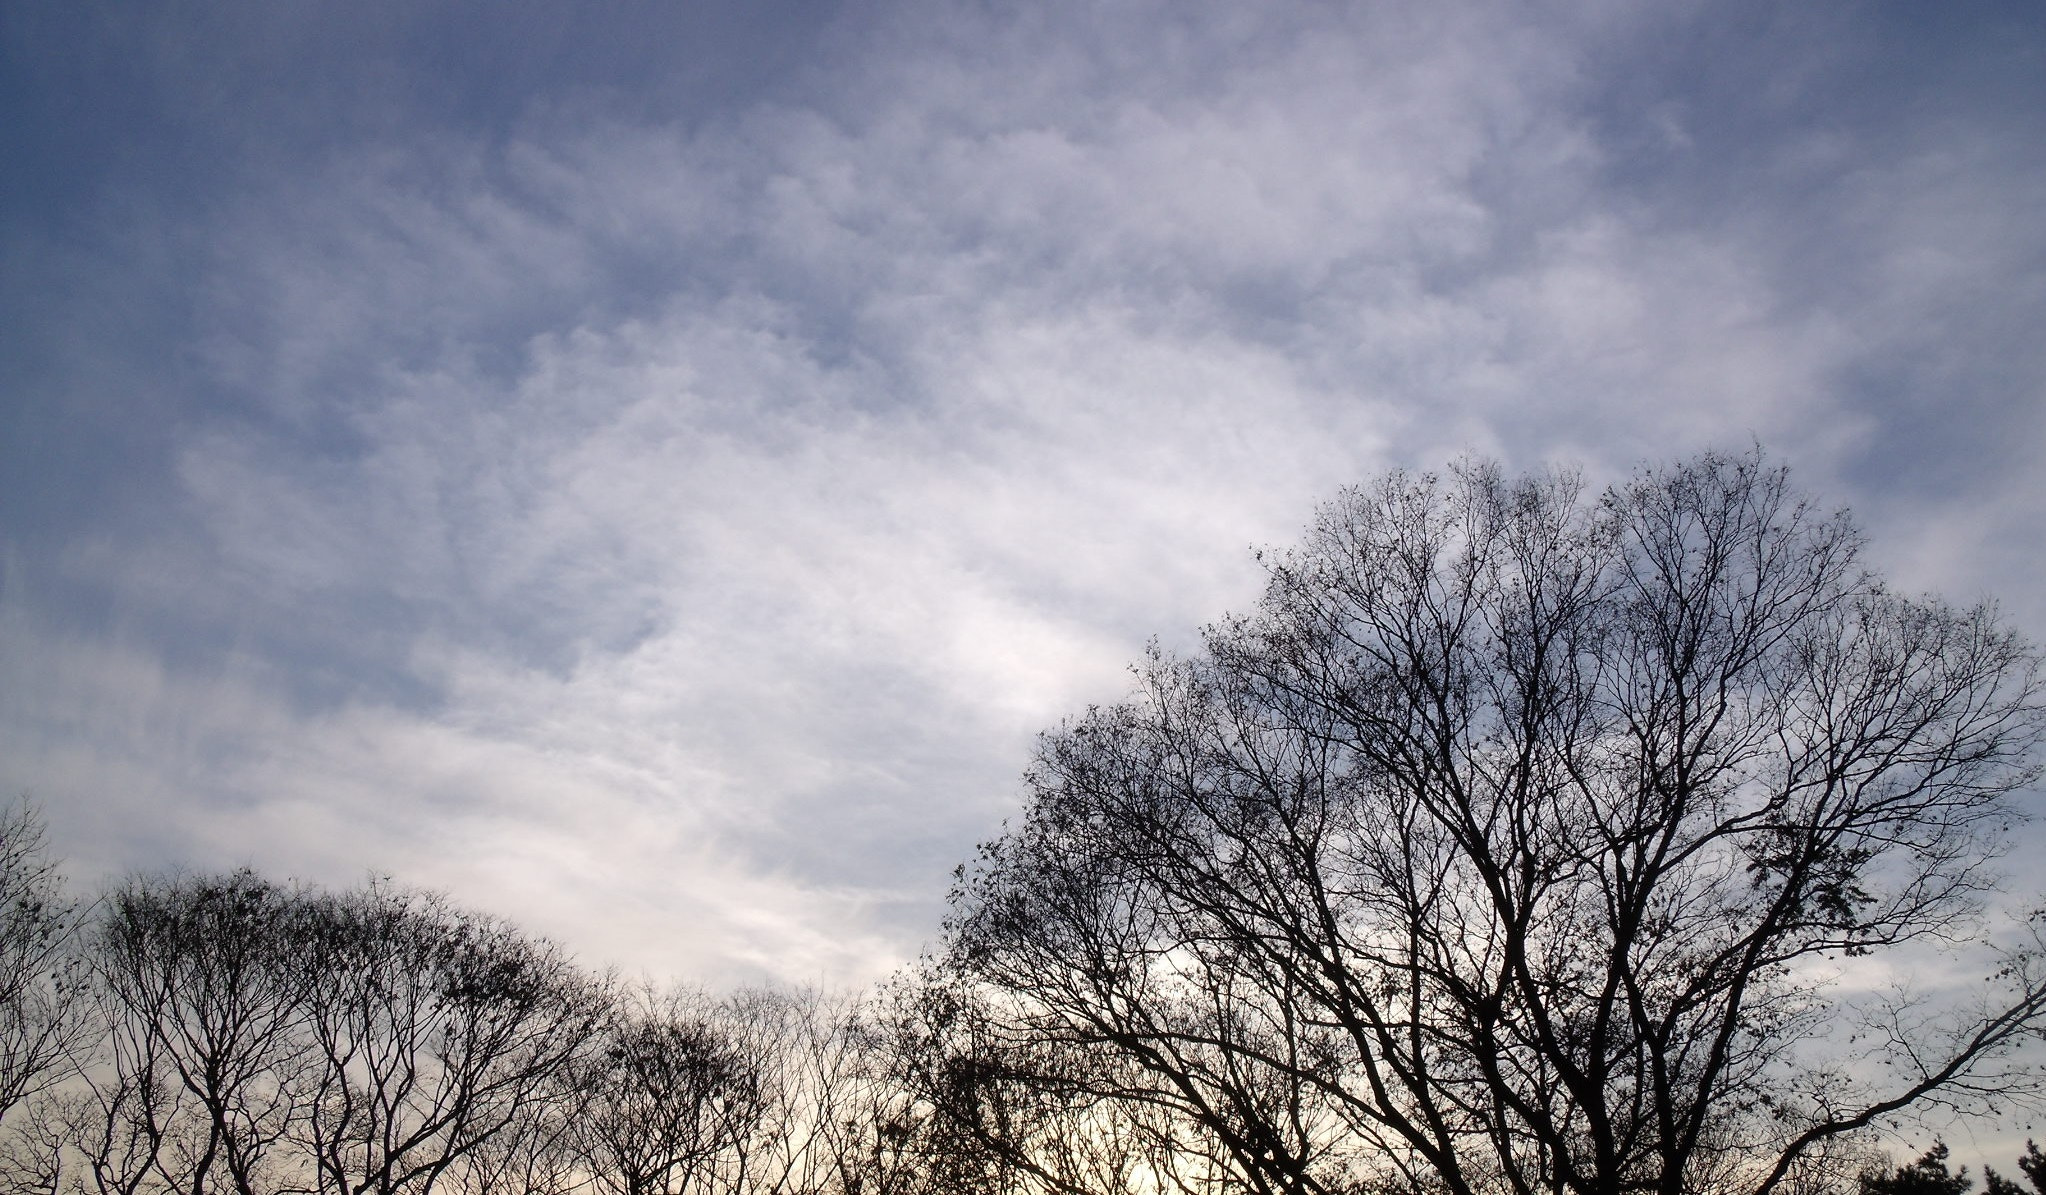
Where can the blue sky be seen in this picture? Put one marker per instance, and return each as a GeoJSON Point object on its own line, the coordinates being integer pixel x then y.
{"type": "Point", "coordinates": [650, 470]}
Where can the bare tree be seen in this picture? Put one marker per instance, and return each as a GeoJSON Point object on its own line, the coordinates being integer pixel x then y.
{"type": "Point", "coordinates": [1516, 842]}
{"type": "Point", "coordinates": [669, 1094]}
{"type": "Point", "coordinates": [532, 1157]}
{"type": "Point", "coordinates": [202, 1073]}
{"type": "Point", "coordinates": [44, 1026]}
{"type": "Point", "coordinates": [123, 1128]}
{"type": "Point", "coordinates": [436, 1034]}
{"type": "Point", "coordinates": [831, 1118]}
{"type": "Point", "coordinates": [265, 1040]}
{"type": "Point", "coordinates": [40, 1010]}
{"type": "Point", "coordinates": [806, 1049]}
{"type": "Point", "coordinates": [992, 1111]}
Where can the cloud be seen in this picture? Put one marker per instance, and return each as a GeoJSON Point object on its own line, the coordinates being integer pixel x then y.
{"type": "Point", "coordinates": [669, 525]}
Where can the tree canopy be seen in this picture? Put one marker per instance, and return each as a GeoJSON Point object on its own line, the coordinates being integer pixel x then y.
{"type": "Point", "coordinates": [1522, 839]}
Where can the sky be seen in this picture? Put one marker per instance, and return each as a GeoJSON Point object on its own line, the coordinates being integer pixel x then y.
{"type": "Point", "coordinates": [651, 470]}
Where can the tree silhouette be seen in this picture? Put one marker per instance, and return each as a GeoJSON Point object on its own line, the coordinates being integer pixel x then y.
{"type": "Point", "coordinates": [1926, 1176]}
{"type": "Point", "coordinates": [1514, 841]}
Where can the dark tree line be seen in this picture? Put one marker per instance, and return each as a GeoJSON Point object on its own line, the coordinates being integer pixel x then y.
{"type": "Point", "coordinates": [1522, 840]}
{"type": "Point", "coordinates": [199, 1034]}
{"type": "Point", "coordinates": [1929, 1175]}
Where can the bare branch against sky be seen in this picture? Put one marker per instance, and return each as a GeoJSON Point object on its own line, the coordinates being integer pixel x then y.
{"type": "Point", "coordinates": [648, 470]}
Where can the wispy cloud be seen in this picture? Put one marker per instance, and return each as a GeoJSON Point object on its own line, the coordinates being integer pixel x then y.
{"type": "Point", "coordinates": [667, 522]}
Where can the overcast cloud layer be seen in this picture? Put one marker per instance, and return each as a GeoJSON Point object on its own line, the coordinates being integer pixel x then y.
{"type": "Point", "coordinates": [650, 471]}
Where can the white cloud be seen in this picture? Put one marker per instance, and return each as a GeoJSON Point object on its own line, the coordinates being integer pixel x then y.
{"type": "Point", "coordinates": [697, 518]}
